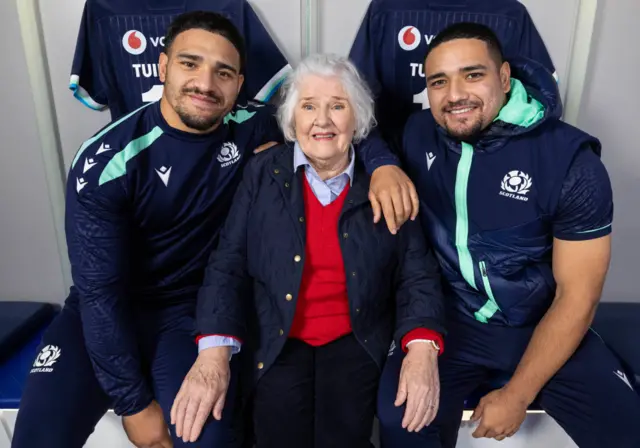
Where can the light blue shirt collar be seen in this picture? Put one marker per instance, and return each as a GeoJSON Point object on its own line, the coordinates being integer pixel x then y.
{"type": "Point", "coordinates": [299, 159]}
{"type": "Point", "coordinates": [326, 191]}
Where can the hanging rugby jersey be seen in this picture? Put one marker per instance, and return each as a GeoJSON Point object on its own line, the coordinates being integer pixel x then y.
{"type": "Point", "coordinates": [391, 44]}
{"type": "Point", "coordinates": [116, 59]}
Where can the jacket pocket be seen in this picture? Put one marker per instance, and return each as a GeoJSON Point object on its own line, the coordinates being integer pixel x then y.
{"type": "Point", "coordinates": [491, 306]}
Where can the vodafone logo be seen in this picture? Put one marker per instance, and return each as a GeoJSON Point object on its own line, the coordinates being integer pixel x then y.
{"type": "Point", "coordinates": [409, 38]}
{"type": "Point", "coordinates": [134, 42]}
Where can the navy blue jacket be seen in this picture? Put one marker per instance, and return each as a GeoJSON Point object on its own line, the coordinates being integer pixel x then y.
{"type": "Point", "coordinates": [492, 207]}
{"type": "Point", "coordinates": [393, 282]}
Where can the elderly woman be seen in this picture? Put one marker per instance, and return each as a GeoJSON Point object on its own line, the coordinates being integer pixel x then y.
{"type": "Point", "coordinates": [311, 289]}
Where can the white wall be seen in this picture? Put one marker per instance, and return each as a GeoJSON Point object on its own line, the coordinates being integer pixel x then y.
{"type": "Point", "coordinates": [610, 112]}
{"type": "Point", "coordinates": [30, 267]}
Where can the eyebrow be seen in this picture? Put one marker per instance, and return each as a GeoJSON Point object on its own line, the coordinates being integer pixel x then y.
{"type": "Point", "coordinates": [469, 68]}
{"type": "Point", "coordinates": [195, 58]}
{"type": "Point", "coordinates": [340, 98]}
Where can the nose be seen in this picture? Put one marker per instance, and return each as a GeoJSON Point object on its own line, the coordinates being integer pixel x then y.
{"type": "Point", "coordinates": [457, 91]}
{"type": "Point", "coordinates": [206, 80]}
{"type": "Point", "coordinates": [322, 117]}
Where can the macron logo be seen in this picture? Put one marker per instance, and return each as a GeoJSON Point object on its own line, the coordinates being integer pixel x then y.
{"type": "Point", "coordinates": [80, 184]}
{"type": "Point", "coordinates": [164, 174]}
{"type": "Point", "coordinates": [430, 158]}
{"type": "Point", "coordinates": [88, 164]}
{"type": "Point", "coordinates": [624, 378]}
{"type": "Point", "coordinates": [103, 148]}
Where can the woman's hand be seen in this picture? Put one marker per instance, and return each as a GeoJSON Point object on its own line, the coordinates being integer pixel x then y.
{"type": "Point", "coordinates": [419, 386]}
{"type": "Point", "coordinates": [203, 390]}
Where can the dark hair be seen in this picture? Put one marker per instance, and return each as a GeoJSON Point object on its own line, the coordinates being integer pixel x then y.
{"type": "Point", "coordinates": [470, 30]}
{"type": "Point", "coordinates": [208, 21]}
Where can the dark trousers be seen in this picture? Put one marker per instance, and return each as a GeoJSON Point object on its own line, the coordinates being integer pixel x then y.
{"type": "Point", "coordinates": [317, 397]}
{"type": "Point", "coordinates": [590, 397]}
{"type": "Point", "coordinates": [60, 408]}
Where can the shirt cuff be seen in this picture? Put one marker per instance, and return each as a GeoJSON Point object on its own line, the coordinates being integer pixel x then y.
{"type": "Point", "coordinates": [210, 341]}
{"type": "Point", "coordinates": [424, 334]}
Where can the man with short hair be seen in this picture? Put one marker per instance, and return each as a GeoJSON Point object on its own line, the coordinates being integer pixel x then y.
{"type": "Point", "coordinates": [146, 198]}
{"type": "Point", "coordinates": [518, 206]}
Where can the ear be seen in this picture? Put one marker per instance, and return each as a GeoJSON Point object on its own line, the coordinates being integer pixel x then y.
{"type": "Point", "coordinates": [162, 67]}
{"type": "Point", "coordinates": [505, 77]}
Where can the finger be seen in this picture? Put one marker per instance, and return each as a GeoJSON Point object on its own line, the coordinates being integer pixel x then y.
{"type": "Point", "coordinates": [415, 201]}
{"type": "Point", "coordinates": [178, 399]}
{"type": "Point", "coordinates": [480, 431]}
{"type": "Point", "coordinates": [190, 416]}
{"type": "Point", "coordinates": [428, 417]}
{"type": "Point", "coordinates": [401, 213]}
{"type": "Point", "coordinates": [180, 410]}
{"type": "Point", "coordinates": [410, 411]}
{"type": "Point", "coordinates": [375, 205]}
{"type": "Point", "coordinates": [219, 406]}
{"type": "Point", "coordinates": [201, 417]}
{"type": "Point", "coordinates": [500, 438]}
{"type": "Point", "coordinates": [174, 407]}
{"type": "Point", "coordinates": [401, 395]}
{"type": "Point", "coordinates": [491, 434]}
{"type": "Point", "coordinates": [406, 203]}
{"type": "Point", "coordinates": [477, 412]}
{"type": "Point", "coordinates": [264, 146]}
{"type": "Point", "coordinates": [421, 410]}
{"type": "Point", "coordinates": [432, 411]}
{"type": "Point", "coordinates": [386, 201]}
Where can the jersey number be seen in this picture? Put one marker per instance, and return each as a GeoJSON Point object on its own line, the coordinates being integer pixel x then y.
{"type": "Point", "coordinates": [153, 94]}
{"type": "Point", "coordinates": [422, 98]}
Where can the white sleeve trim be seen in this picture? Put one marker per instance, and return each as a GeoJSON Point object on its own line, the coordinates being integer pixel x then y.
{"type": "Point", "coordinates": [273, 84]}
{"type": "Point", "coordinates": [82, 95]}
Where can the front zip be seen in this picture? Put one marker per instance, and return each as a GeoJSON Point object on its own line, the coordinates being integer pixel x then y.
{"type": "Point", "coordinates": [489, 309]}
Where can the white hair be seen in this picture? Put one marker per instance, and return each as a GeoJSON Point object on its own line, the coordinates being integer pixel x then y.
{"type": "Point", "coordinates": [328, 65]}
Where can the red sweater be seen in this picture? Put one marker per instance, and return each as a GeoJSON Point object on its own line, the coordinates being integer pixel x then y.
{"type": "Point", "coordinates": [322, 310]}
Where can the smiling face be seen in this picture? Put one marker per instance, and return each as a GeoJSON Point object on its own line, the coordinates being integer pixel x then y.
{"type": "Point", "coordinates": [466, 86]}
{"type": "Point", "coordinates": [202, 79]}
{"type": "Point", "coordinates": [324, 119]}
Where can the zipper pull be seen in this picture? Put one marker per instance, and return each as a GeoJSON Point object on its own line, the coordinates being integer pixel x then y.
{"type": "Point", "coordinates": [483, 269]}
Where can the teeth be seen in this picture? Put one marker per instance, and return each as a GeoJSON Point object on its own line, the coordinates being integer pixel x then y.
{"type": "Point", "coordinates": [461, 111]}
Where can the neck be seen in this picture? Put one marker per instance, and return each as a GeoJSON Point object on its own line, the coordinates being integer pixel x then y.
{"type": "Point", "coordinates": [173, 119]}
{"type": "Point", "coordinates": [329, 168]}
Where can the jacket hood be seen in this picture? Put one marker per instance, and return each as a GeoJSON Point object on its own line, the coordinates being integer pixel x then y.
{"type": "Point", "coordinates": [534, 99]}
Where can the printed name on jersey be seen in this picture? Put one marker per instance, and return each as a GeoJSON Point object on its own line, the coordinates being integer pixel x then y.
{"type": "Point", "coordinates": [515, 185]}
{"type": "Point", "coordinates": [229, 154]}
{"type": "Point", "coordinates": [145, 70]}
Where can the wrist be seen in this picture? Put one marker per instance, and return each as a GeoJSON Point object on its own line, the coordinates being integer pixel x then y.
{"type": "Point", "coordinates": [222, 352]}
{"type": "Point", "coordinates": [522, 393]}
{"type": "Point", "coordinates": [426, 348]}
